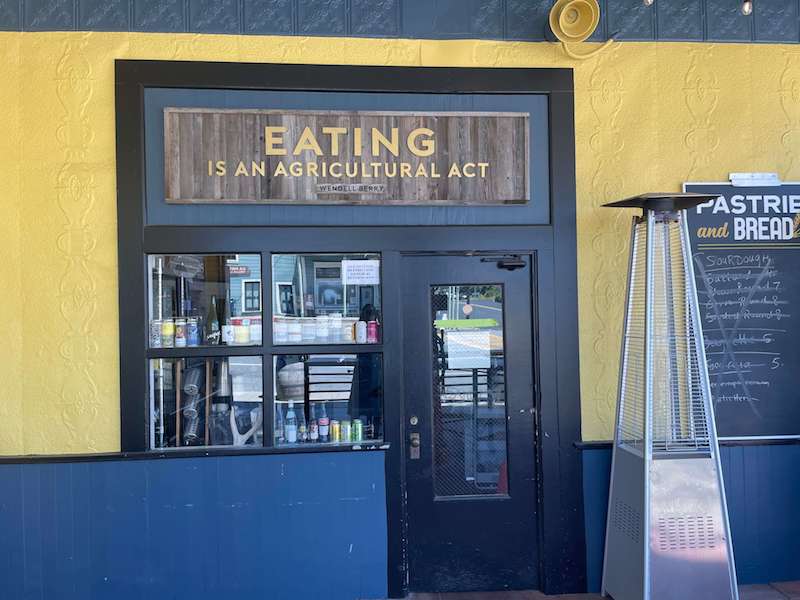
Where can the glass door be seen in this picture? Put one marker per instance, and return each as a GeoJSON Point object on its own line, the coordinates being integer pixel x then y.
{"type": "Point", "coordinates": [469, 410]}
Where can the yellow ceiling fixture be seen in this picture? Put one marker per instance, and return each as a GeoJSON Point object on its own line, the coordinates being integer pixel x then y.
{"type": "Point", "coordinates": [574, 21]}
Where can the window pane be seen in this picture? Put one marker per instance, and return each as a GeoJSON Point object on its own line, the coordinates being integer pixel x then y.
{"type": "Point", "coordinates": [326, 298]}
{"type": "Point", "coordinates": [328, 399]}
{"type": "Point", "coordinates": [252, 296]}
{"type": "Point", "coordinates": [206, 402]}
{"type": "Point", "coordinates": [202, 300]}
{"type": "Point", "coordinates": [469, 400]}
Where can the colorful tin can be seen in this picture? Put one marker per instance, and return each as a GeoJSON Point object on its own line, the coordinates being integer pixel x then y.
{"type": "Point", "coordinates": [180, 333]}
{"type": "Point", "coordinates": [192, 332]}
{"type": "Point", "coordinates": [347, 430]}
{"type": "Point", "coordinates": [336, 431]}
{"type": "Point", "coordinates": [357, 434]}
{"type": "Point", "coordinates": [361, 332]}
{"type": "Point", "coordinates": [155, 333]}
{"type": "Point", "coordinates": [372, 332]}
{"type": "Point", "coordinates": [324, 429]}
{"type": "Point", "coordinates": [241, 331]}
{"type": "Point", "coordinates": [255, 331]}
{"type": "Point", "coordinates": [167, 333]}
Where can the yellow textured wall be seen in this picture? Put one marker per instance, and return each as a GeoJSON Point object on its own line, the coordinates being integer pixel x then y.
{"type": "Point", "coordinates": [648, 116]}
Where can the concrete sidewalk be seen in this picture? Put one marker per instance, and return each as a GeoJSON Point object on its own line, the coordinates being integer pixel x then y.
{"type": "Point", "coordinates": [789, 590]}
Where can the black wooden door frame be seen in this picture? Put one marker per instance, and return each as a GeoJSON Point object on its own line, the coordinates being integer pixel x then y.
{"type": "Point", "coordinates": [520, 447]}
{"type": "Point", "coordinates": [562, 544]}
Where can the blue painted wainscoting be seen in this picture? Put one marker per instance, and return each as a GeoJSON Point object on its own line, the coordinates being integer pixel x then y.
{"type": "Point", "coordinates": [762, 485]}
{"type": "Point", "coordinates": [278, 527]}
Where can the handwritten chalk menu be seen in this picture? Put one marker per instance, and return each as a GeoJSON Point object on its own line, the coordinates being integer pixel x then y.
{"type": "Point", "coordinates": [746, 247]}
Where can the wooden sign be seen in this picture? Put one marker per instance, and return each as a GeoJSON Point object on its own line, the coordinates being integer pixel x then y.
{"type": "Point", "coordinates": [345, 157]}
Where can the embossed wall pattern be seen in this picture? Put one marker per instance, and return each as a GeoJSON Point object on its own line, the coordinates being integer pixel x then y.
{"type": "Point", "coordinates": [673, 20]}
{"type": "Point", "coordinates": [648, 117]}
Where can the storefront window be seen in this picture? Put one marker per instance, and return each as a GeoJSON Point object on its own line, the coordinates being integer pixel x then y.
{"type": "Point", "coordinates": [328, 399]}
{"type": "Point", "coordinates": [206, 402]}
{"type": "Point", "coordinates": [204, 300]}
{"type": "Point", "coordinates": [326, 299]}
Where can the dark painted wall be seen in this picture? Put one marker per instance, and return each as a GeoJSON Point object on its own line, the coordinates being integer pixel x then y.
{"type": "Point", "coordinates": [283, 527]}
{"type": "Point", "coordinates": [712, 20]}
{"type": "Point", "coordinates": [762, 485]}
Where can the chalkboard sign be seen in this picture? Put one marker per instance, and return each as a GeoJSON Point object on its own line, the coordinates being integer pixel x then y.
{"type": "Point", "coordinates": [746, 247]}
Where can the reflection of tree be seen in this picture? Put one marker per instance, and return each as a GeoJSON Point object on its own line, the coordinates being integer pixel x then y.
{"type": "Point", "coordinates": [483, 292]}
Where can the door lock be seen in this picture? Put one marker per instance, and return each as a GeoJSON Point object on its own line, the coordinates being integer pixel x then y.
{"type": "Point", "coordinates": [414, 444]}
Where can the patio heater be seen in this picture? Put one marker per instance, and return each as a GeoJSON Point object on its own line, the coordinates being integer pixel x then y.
{"type": "Point", "coordinates": [667, 531]}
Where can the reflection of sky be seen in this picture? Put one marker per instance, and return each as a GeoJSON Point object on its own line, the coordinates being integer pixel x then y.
{"type": "Point", "coordinates": [687, 488]}
{"type": "Point", "coordinates": [246, 378]}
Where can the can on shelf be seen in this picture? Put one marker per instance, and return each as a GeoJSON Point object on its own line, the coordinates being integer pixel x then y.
{"type": "Point", "coordinates": [241, 330]}
{"type": "Point", "coordinates": [167, 333]}
{"type": "Point", "coordinates": [192, 332]}
{"type": "Point", "coordinates": [361, 332]}
{"type": "Point", "coordinates": [372, 332]}
{"type": "Point", "coordinates": [358, 431]}
{"type": "Point", "coordinates": [180, 333]}
{"type": "Point", "coordinates": [255, 330]}
{"type": "Point", "coordinates": [155, 333]}
{"type": "Point", "coordinates": [336, 431]}
{"type": "Point", "coordinates": [324, 429]}
{"type": "Point", "coordinates": [347, 431]}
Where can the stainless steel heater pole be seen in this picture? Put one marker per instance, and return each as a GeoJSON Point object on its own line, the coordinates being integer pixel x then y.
{"type": "Point", "coordinates": [667, 531]}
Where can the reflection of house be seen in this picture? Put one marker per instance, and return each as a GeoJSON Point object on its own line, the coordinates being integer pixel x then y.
{"type": "Point", "coordinates": [245, 284]}
{"type": "Point", "coordinates": [312, 284]}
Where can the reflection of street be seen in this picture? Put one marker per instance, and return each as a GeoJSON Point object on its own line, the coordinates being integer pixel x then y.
{"type": "Point", "coordinates": [485, 308]}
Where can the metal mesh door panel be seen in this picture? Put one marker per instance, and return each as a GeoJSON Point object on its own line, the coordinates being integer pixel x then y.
{"type": "Point", "coordinates": [468, 391]}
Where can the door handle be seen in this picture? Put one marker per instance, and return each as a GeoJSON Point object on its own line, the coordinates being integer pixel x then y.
{"type": "Point", "coordinates": [413, 446]}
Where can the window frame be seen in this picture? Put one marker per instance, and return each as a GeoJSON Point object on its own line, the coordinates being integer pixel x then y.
{"type": "Point", "coordinates": [260, 299]}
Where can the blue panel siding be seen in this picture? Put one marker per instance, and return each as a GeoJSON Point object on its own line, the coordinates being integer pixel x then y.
{"type": "Point", "coordinates": [49, 15]}
{"type": "Point", "coordinates": [159, 15]}
{"type": "Point", "coordinates": [322, 17]}
{"type": "Point", "coordinates": [309, 526]}
{"type": "Point", "coordinates": [10, 15]}
{"type": "Point", "coordinates": [214, 16]}
{"type": "Point", "coordinates": [268, 17]}
{"type": "Point", "coordinates": [104, 15]}
{"type": "Point", "coordinates": [762, 484]}
{"type": "Point", "coordinates": [631, 20]}
{"type": "Point", "coordinates": [777, 21]}
{"type": "Point", "coordinates": [725, 23]}
{"type": "Point", "coordinates": [668, 20]}
{"type": "Point", "coordinates": [680, 21]}
{"type": "Point", "coordinates": [375, 17]}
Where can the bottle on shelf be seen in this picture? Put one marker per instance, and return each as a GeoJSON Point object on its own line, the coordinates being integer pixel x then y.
{"type": "Point", "coordinates": [313, 426]}
{"type": "Point", "coordinates": [324, 424]}
{"type": "Point", "coordinates": [226, 325]}
{"type": "Point", "coordinates": [279, 426]}
{"type": "Point", "coordinates": [290, 427]}
{"type": "Point", "coordinates": [212, 323]}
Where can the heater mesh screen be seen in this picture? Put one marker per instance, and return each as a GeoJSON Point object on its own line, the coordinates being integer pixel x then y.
{"type": "Point", "coordinates": [630, 430]}
{"type": "Point", "coordinates": [680, 422]}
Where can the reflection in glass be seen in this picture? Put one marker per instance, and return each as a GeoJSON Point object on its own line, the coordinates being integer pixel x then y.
{"type": "Point", "coordinates": [326, 298]}
{"type": "Point", "coordinates": [206, 402]}
{"type": "Point", "coordinates": [469, 403]}
{"type": "Point", "coordinates": [204, 300]}
{"type": "Point", "coordinates": [328, 399]}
